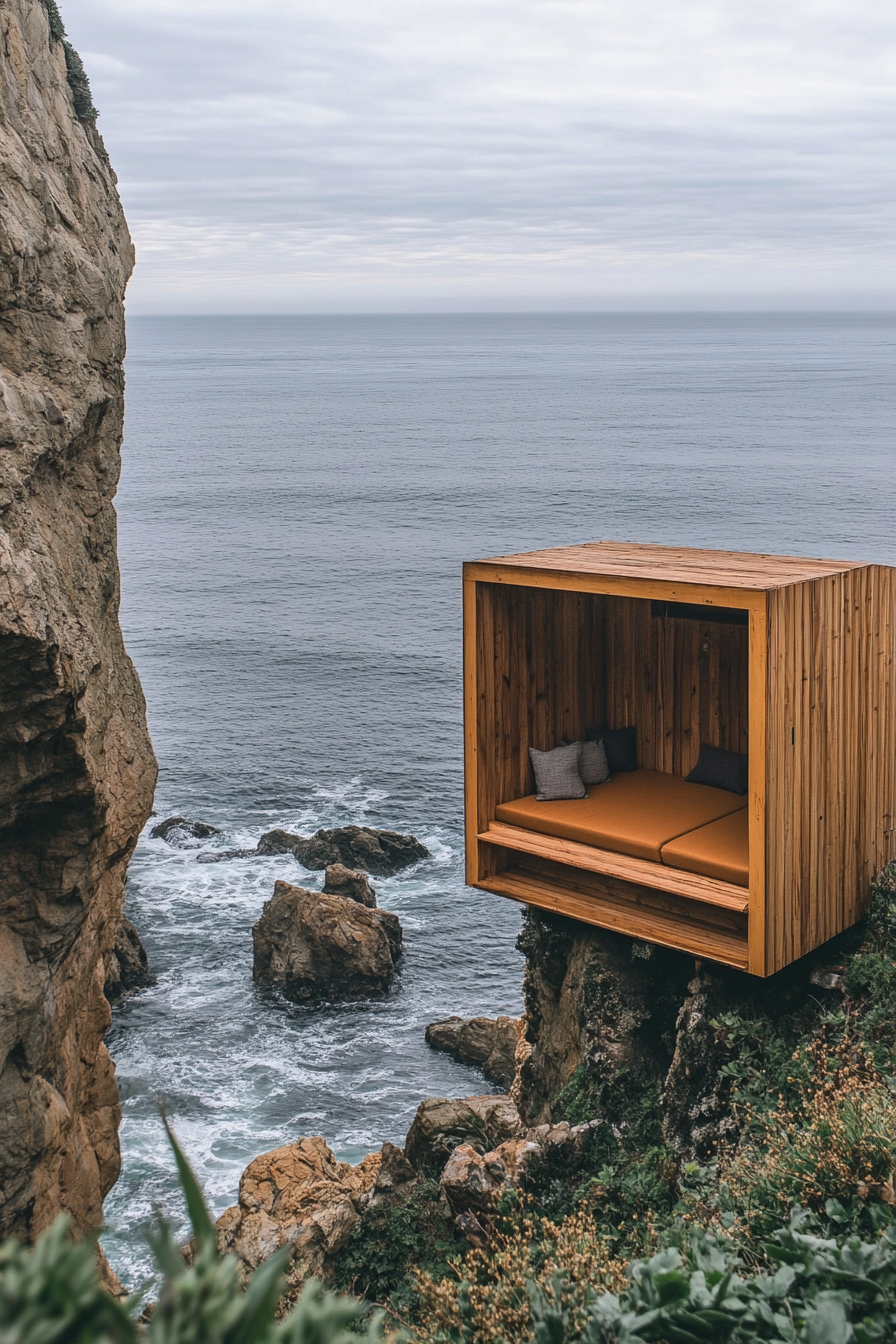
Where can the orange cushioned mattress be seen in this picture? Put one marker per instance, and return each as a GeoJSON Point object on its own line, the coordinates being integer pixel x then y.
{"type": "Point", "coordinates": [635, 813]}
{"type": "Point", "coordinates": [717, 850]}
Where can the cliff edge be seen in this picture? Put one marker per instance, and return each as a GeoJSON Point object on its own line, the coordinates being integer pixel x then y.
{"type": "Point", "coordinates": [76, 766]}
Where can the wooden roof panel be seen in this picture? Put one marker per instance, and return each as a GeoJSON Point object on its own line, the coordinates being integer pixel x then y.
{"type": "Point", "coordinates": [676, 564]}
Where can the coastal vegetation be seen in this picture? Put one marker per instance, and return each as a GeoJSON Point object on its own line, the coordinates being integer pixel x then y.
{"type": "Point", "coordinates": [792, 1207]}
{"type": "Point", "coordinates": [74, 67]}
{"type": "Point", "coordinates": [785, 1232]}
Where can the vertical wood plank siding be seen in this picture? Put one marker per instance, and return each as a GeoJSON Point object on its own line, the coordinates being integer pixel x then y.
{"type": "Point", "coordinates": [831, 756]}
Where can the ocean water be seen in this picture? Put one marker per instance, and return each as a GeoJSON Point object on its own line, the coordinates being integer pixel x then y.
{"type": "Point", "coordinates": [296, 499]}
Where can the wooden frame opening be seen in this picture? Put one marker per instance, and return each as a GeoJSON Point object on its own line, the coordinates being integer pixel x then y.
{"type": "Point", "coordinates": [557, 643]}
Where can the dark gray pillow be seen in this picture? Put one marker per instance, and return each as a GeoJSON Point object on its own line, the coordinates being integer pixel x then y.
{"type": "Point", "coordinates": [593, 766]}
{"type": "Point", "coordinates": [621, 745]}
{"type": "Point", "coordinates": [721, 769]}
{"type": "Point", "coordinates": [557, 773]}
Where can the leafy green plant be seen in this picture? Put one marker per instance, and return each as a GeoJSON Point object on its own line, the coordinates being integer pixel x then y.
{"type": "Point", "coordinates": [413, 1231]}
{"type": "Point", "coordinates": [50, 1293]}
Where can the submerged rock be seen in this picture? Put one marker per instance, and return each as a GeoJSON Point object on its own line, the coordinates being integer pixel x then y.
{"type": "Point", "coordinates": [182, 833]}
{"type": "Point", "coordinates": [382, 853]}
{"type": "Point", "coordinates": [379, 852]}
{"type": "Point", "coordinates": [281, 842]}
{"type": "Point", "coordinates": [351, 883]}
{"type": "Point", "coordinates": [219, 855]}
{"type": "Point", "coordinates": [297, 1195]}
{"type": "Point", "coordinates": [317, 948]}
{"type": "Point", "coordinates": [126, 965]}
{"type": "Point", "coordinates": [489, 1042]}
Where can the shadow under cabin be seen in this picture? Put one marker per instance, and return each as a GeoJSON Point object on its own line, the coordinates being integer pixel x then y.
{"type": "Point", "coordinates": [769, 680]}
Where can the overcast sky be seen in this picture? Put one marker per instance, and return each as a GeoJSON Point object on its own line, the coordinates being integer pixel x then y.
{"type": "Point", "coordinates": [356, 155]}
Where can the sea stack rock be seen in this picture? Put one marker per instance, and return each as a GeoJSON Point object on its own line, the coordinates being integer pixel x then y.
{"type": "Point", "coordinates": [317, 948]}
{"type": "Point", "coordinates": [76, 767]}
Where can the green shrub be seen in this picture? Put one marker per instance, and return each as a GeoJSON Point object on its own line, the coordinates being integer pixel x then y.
{"type": "Point", "coordinates": [74, 66]}
{"type": "Point", "coordinates": [50, 1294]}
{"type": "Point", "coordinates": [412, 1231]}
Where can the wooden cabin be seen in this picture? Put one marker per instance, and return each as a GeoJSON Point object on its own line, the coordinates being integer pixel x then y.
{"type": "Point", "coordinates": [788, 661]}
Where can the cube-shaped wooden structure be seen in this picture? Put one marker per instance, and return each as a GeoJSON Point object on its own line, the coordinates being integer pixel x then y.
{"type": "Point", "coordinates": [788, 660]}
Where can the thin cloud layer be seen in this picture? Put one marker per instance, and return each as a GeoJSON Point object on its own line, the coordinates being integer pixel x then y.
{"type": "Point", "coordinates": [418, 153]}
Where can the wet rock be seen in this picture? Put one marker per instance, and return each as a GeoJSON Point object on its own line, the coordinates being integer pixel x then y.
{"type": "Point", "coordinates": [126, 965]}
{"type": "Point", "coordinates": [219, 855]}
{"type": "Point", "coordinates": [382, 853]}
{"type": "Point", "coordinates": [488, 1042]}
{"type": "Point", "coordinates": [297, 1195]}
{"type": "Point", "coordinates": [473, 1182]}
{"type": "Point", "coordinates": [441, 1125]}
{"type": "Point", "coordinates": [351, 883]}
{"type": "Point", "coordinates": [182, 833]}
{"type": "Point", "coordinates": [316, 948]}
{"type": "Point", "coordinates": [282, 842]}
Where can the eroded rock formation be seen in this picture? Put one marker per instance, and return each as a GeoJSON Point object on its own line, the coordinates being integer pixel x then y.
{"type": "Point", "coordinates": [299, 1195]}
{"type": "Point", "coordinates": [613, 1025]}
{"type": "Point", "coordinates": [76, 766]}
{"type": "Point", "coordinates": [488, 1042]}
{"type": "Point", "coordinates": [317, 948]}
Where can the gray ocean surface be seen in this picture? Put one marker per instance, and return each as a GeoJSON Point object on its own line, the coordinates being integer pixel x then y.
{"type": "Point", "coordinates": [296, 499]}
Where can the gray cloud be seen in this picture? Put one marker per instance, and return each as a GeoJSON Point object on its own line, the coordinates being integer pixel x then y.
{"type": "Point", "coordinates": [420, 153]}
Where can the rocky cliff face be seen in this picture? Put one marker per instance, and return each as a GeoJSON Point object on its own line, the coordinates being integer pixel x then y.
{"type": "Point", "coordinates": [76, 766]}
{"type": "Point", "coordinates": [614, 1027]}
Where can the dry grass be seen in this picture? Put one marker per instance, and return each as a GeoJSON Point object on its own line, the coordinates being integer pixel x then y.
{"type": "Point", "coordinates": [491, 1285]}
{"type": "Point", "coordinates": [836, 1140]}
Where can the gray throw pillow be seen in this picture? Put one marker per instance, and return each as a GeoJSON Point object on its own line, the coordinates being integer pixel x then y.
{"type": "Point", "coordinates": [593, 765]}
{"type": "Point", "coordinates": [557, 773]}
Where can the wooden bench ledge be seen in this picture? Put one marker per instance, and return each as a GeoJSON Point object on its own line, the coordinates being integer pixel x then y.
{"type": "Point", "coordinates": [642, 871]}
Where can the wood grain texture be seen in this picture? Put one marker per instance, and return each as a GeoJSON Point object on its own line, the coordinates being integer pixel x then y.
{"type": "Point", "coordinates": [655, 875]}
{"type": "Point", "coordinates": [734, 569]}
{"type": "Point", "coordinates": [831, 756]}
{"type": "Point", "coordinates": [611, 904]}
{"type": "Point", "coordinates": [758, 709]}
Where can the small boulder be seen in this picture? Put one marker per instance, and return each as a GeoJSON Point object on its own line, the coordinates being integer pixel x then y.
{"type": "Point", "coordinates": [181, 833]}
{"type": "Point", "coordinates": [316, 948]}
{"type": "Point", "coordinates": [126, 965]}
{"type": "Point", "coordinates": [351, 883]}
{"type": "Point", "coordinates": [297, 1195]}
{"type": "Point", "coordinates": [440, 1125]}
{"type": "Point", "coordinates": [473, 1181]}
{"type": "Point", "coordinates": [489, 1042]}
{"type": "Point", "coordinates": [394, 1171]}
